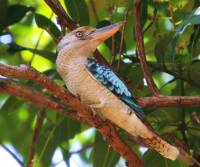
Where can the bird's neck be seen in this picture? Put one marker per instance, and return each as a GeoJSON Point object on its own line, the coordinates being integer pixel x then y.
{"type": "Point", "coordinates": [70, 62]}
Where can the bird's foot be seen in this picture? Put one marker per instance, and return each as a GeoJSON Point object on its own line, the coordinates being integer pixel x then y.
{"type": "Point", "coordinates": [96, 112]}
{"type": "Point", "coordinates": [101, 116]}
{"type": "Point", "coordinates": [95, 107]}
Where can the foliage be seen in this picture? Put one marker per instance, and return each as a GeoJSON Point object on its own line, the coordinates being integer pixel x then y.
{"type": "Point", "coordinates": [27, 32]}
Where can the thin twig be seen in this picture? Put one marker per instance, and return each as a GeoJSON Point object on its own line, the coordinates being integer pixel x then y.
{"type": "Point", "coordinates": [141, 49]}
{"type": "Point", "coordinates": [182, 126]}
{"type": "Point", "coordinates": [36, 134]}
{"type": "Point", "coordinates": [38, 42]}
{"type": "Point", "coordinates": [113, 50]}
{"type": "Point", "coordinates": [13, 155]}
{"type": "Point", "coordinates": [36, 46]}
{"type": "Point", "coordinates": [152, 22]}
{"type": "Point", "coordinates": [111, 11]}
{"type": "Point", "coordinates": [121, 42]}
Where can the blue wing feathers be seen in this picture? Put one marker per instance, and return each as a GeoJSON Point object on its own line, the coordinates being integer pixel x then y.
{"type": "Point", "coordinates": [109, 79]}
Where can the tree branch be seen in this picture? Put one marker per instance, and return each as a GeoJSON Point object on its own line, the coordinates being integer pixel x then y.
{"type": "Point", "coordinates": [141, 49]}
{"type": "Point", "coordinates": [36, 134]}
{"type": "Point", "coordinates": [63, 18]}
{"type": "Point", "coordinates": [35, 97]}
{"type": "Point", "coordinates": [38, 98]}
{"type": "Point", "coordinates": [104, 127]}
{"type": "Point", "coordinates": [170, 101]}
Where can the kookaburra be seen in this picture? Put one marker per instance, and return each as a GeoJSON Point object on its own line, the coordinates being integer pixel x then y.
{"type": "Point", "coordinates": [100, 88]}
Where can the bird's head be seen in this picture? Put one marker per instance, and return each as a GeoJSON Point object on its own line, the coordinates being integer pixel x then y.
{"type": "Point", "coordinates": [85, 40]}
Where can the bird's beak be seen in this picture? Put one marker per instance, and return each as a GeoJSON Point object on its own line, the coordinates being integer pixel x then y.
{"type": "Point", "coordinates": [104, 33]}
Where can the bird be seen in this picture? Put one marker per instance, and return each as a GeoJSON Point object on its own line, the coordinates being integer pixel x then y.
{"type": "Point", "coordinates": [101, 89]}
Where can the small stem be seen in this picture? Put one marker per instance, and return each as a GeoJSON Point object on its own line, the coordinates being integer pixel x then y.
{"type": "Point", "coordinates": [121, 42]}
{"type": "Point", "coordinates": [38, 41]}
{"type": "Point", "coordinates": [183, 124]}
{"type": "Point", "coordinates": [36, 46]}
{"type": "Point", "coordinates": [152, 22]}
{"type": "Point", "coordinates": [113, 50]}
{"type": "Point", "coordinates": [36, 134]}
{"type": "Point", "coordinates": [49, 137]}
{"type": "Point", "coordinates": [106, 157]}
{"type": "Point", "coordinates": [111, 12]}
{"type": "Point", "coordinates": [141, 49]}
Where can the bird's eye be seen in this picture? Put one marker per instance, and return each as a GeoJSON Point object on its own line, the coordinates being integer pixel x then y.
{"type": "Point", "coordinates": [79, 34]}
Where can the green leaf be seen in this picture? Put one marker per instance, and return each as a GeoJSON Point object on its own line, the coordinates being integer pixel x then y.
{"type": "Point", "coordinates": [78, 11]}
{"type": "Point", "coordinates": [51, 115]}
{"type": "Point", "coordinates": [55, 135]}
{"type": "Point", "coordinates": [193, 45]}
{"type": "Point", "coordinates": [47, 143]}
{"type": "Point", "coordinates": [84, 14]}
{"type": "Point", "coordinates": [66, 130]}
{"type": "Point", "coordinates": [46, 24]}
{"type": "Point", "coordinates": [152, 159]}
{"type": "Point", "coordinates": [103, 155]}
{"type": "Point", "coordinates": [3, 9]}
{"type": "Point", "coordinates": [144, 12]}
{"type": "Point", "coordinates": [12, 14]}
{"type": "Point", "coordinates": [46, 146]}
{"type": "Point", "coordinates": [3, 98]}
{"type": "Point", "coordinates": [192, 19]}
{"type": "Point", "coordinates": [16, 12]}
{"type": "Point", "coordinates": [129, 34]}
{"type": "Point", "coordinates": [161, 49]}
{"type": "Point", "coordinates": [193, 72]}
{"type": "Point", "coordinates": [11, 104]}
{"type": "Point", "coordinates": [72, 9]}
{"type": "Point", "coordinates": [13, 48]}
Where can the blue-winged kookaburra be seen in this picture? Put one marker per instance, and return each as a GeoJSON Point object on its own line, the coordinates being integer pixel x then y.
{"type": "Point", "coordinates": [99, 87]}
